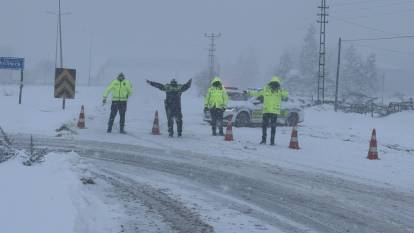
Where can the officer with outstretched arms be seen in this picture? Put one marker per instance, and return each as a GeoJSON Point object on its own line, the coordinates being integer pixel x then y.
{"type": "Point", "coordinates": [272, 95]}
{"type": "Point", "coordinates": [172, 103]}
{"type": "Point", "coordinates": [121, 90]}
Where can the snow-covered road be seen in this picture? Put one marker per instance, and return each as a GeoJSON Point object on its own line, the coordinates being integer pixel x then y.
{"type": "Point", "coordinates": [189, 192]}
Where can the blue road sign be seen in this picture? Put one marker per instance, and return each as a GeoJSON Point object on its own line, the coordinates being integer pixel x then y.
{"type": "Point", "coordinates": [12, 63]}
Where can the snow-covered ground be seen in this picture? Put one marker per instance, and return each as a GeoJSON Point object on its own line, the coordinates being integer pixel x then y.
{"type": "Point", "coordinates": [331, 143]}
{"type": "Point", "coordinates": [49, 197]}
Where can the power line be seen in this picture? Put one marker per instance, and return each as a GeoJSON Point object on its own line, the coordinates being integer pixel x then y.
{"type": "Point", "coordinates": [382, 38]}
{"type": "Point", "coordinates": [387, 50]}
{"type": "Point", "coordinates": [359, 2]}
{"type": "Point", "coordinates": [395, 3]}
{"type": "Point", "coordinates": [362, 26]}
{"type": "Point", "coordinates": [382, 14]}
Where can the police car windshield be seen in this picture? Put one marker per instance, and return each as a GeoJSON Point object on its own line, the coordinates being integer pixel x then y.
{"type": "Point", "coordinates": [237, 96]}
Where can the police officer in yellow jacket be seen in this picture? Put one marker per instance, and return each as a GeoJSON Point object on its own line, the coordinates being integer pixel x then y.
{"type": "Point", "coordinates": [272, 95]}
{"type": "Point", "coordinates": [121, 90]}
{"type": "Point", "coordinates": [216, 102]}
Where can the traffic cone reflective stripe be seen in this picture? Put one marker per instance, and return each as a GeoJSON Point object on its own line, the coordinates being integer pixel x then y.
{"type": "Point", "coordinates": [294, 141]}
{"type": "Point", "coordinates": [373, 148]}
{"type": "Point", "coordinates": [156, 125]}
{"type": "Point", "coordinates": [81, 121]}
{"type": "Point", "coordinates": [229, 132]}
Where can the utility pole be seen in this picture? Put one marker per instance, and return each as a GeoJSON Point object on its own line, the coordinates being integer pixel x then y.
{"type": "Point", "coordinates": [57, 33]}
{"type": "Point", "coordinates": [322, 50]}
{"type": "Point", "coordinates": [90, 63]}
{"type": "Point", "coordinates": [337, 74]}
{"type": "Point", "coordinates": [60, 37]}
{"type": "Point", "coordinates": [211, 53]}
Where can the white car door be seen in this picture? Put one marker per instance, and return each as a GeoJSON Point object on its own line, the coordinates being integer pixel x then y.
{"type": "Point", "coordinates": [257, 109]}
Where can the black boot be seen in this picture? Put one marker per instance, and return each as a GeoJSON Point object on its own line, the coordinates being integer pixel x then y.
{"type": "Point", "coordinates": [179, 134]}
{"type": "Point", "coordinates": [122, 131]}
{"type": "Point", "coordinates": [263, 140]}
{"type": "Point", "coordinates": [272, 141]}
{"type": "Point", "coordinates": [170, 134]}
{"type": "Point", "coordinates": [221, 133]}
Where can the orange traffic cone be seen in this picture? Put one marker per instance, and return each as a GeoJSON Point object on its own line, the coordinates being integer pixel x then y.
{"type": "Point", "coordinates": [294, 141]}
{"type": "Point", "coordinates": [229, 132]}
{"type": "Point", "coordinates": [156, 125]}
{"type": "Point", "coordinates": [81, 121]}
{"type": "Point", "coordinates": [373, 150]}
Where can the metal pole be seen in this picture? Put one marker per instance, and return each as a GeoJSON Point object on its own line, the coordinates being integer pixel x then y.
{"type": "Point", "coordinates": [60, 36]}
{"type": "Point", "coordinates": [337, 74]}
{"type": "Point", "coordinates": [61, 50]}
{"type": "Point", "coordinates": [90, 62]}
{"type": "Point", "coordinates": [21, 86]}
{"type": "Point", "coordinates": [57, 43]}
{"type": "Point", "coordinates": [383, 88]}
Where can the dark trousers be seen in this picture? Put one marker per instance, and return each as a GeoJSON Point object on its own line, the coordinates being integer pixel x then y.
{"type": "Point", "coordinates": [121, 107]}
{"type": "Point", "coordinates": [174, 113]}
{"type": "Point", "coordinates": [269, 119]}
{"type": "Point", "coordinates": [217, 120]}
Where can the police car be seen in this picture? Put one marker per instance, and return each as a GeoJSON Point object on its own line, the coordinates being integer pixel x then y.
{"type": "Point", "coordinates": [244, 110]}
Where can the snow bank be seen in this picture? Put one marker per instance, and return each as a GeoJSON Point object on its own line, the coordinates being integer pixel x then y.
{"type": "Point", "coordinates": [38, 198]}
{"type": "Point", "coordinates": [49, 198]}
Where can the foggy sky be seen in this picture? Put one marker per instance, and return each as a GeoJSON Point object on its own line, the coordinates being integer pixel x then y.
{"type": "Point", "coordinates": [169, 33]}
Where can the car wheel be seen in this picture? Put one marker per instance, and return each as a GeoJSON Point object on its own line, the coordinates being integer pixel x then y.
{"type": "Point", "coordinates": [293, 119]}
{"type": "Point", "coordinates": [243, 119]}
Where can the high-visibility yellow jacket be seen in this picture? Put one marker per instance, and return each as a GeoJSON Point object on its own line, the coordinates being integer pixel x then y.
{"type": "Point", "coordinates": [120, 89]}
{"type": "Point", "coordinates": [272, 99]}
{"type": "Point", "coordinates": [216, 96]}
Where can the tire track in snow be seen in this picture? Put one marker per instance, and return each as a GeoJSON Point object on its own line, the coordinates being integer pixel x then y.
{"type": "Point", "coordinates": [318, 201]}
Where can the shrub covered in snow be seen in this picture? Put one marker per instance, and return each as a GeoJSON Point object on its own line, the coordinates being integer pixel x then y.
{"type": "Point", "coordinates": [6, 150]}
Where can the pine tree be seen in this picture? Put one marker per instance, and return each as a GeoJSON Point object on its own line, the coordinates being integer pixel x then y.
{"type": "Point", "coordinates": [360, 76]}
{"type": "Point", "coordinates": [308, 60]}
{"type": "Point", "coordinates": [372, 75]}
{"type": "Point", "coordinates": [202, 82]}
{"type": "Point", "coordinates": [247, 68]}
{"type": "Point", "coordinates": [285, 65]}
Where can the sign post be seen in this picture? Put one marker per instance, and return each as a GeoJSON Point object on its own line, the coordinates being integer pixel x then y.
{"type": "Point", "coordinates": [14, 63]}
{"type": "Point", "coordinates": [65, 84]}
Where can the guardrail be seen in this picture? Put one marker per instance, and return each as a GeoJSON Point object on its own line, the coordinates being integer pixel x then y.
{"type": "Point", "coordinates": [377, 109]}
